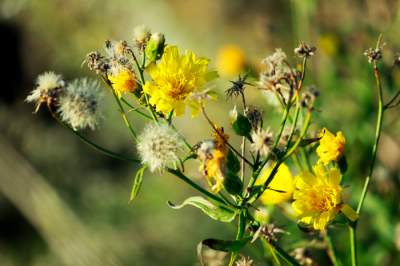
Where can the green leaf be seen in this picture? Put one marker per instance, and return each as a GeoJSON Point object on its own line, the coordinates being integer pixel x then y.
{"type": "Point", "coordinates": [232, 162]}
{"type": "Point", "coordinates": [218, 213]}
{"type": "Point", "coordinates": [242, 126]}
{"type": "Point", "coordinates": [137, 183]}
{"type": "Point", "coordinates": [232, 183]}
{"type": "Point", "coordinates": [226, 245]}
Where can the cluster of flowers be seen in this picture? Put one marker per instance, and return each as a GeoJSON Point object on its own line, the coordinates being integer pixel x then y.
{"type": "Point", "coordinates": [165, 83]}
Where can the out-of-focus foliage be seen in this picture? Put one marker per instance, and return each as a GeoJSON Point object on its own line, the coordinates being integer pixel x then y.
{"type": "Point", "coordinates": [56, 34]}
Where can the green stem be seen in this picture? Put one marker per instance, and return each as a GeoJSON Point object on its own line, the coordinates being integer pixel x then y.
{"type": "Point", "coordinates": [239, 235]}
{"type": "Point", "coordinates": [353, 244]}
{"type": "Point", "coordinates": [268, 246]}
{"type": "Point", "coordinates": [187, 180]}
{"type": "Point", "coordinates": [331, 249]}
{"type": "Point", "coordinates": [94, 145]}
{"type": "Point", "coordinates": [378, 131]}
{"type": "Point", "coordinates": [281, 252]}
{"type": "Point", "coordinates": [135, 109]}
{"type": "Point", "coordinates": [124, 116]}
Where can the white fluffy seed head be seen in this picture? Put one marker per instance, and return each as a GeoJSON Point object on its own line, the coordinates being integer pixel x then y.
{"type": "Point", "coordinates": [79, 105]}
{"type": "Point", "coordinates": [158, 146]}
{"type": "Point", "coordinates": [262, 141]}
{"type": "Point", "coordinates": [46, 84]}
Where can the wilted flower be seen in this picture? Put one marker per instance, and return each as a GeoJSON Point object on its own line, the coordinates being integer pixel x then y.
{"type": "Point", "coordinates": [213, 154]}
{"type": "Point", "coordinates": [158, 146]}
{"type": "Point", "coordinates": [231, 60]}
{"type": "Point", "coordinates": [318, 199]}
{"type": "Point", "coordinates": [141, 35]}
{"type": "Point", "coordinates": [331, 147]}
{"type": "Point", "coordinates": [174, 79]}
{"type": "Point", "coordinates": [79, 105]}
{"type": "Point", "coordinates": [49, 86]}
{"type": "Point", "coordinates": [261, 141]}
{"type": "Point", "coordinates": [280, 189]}
{"type": "Point", "coordinates": [373, 54]}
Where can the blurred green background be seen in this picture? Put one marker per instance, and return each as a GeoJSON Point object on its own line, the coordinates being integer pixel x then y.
{"type": "Point", "coordinates": [62, 203]}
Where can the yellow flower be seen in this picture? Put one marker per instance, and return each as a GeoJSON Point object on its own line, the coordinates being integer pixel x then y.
{"type": "Point", "coordinates": [317, 198]}
{"type": "Point", "coordinates": [122, 82]}
{"type": "Point", "coordinates": [175, 79]}
{"type": "Point", "coordinates": [280, 189]}
{"type": "Point", "coordinates": [331, 147]}
{"type": "Point", "coordinates": [230, 60]}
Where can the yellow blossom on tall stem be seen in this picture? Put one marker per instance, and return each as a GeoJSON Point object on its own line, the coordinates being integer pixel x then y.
{"type": "Point", "coordinates": [280, 189]}
{"type": "Point", "coordinates": [123, 81]}
{"type": "Point", "coordinates": [318, 197]}
{"type": "Point", "coordinates": [175, 79]}
{"type": "Point", "coordinates": [331, 147]}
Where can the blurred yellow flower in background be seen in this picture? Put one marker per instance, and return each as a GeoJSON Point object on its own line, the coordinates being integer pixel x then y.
{"type": "Point", "coordinates": [231, 60]}
{"type": "Point", "coordinates": [123, 82]}
{"type": "Point", "coordinates": [329, 44]}
{"type": "Point", "coordinates": [331, 147]}
{"type": "Point", "coordinates": [317, 196]}
{"type": "Point", "coordinates": [280, 189]}
{"type": "Point", "coordinates": [175, 78]}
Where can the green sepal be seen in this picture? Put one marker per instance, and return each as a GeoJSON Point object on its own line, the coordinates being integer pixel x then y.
{"type": "Point", "coordinates": [219, 213]}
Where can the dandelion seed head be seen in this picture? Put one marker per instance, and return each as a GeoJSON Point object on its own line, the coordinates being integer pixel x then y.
{"type": "Point", "coordinates": [158, 146]}
{"type": "Point", "coordinates": [79, 106]}
{"type": "Point", "coordinates": [262, 141]}
{"type": "Point", "coordinates": [48, 87]}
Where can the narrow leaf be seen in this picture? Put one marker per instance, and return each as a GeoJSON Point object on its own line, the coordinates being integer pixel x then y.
{"type": "Point", "coordinates": [226, 245]}
{"type": "Point", "coordinates": [215, 212]}
{"type": "Point", "coordinates": [137, 183]}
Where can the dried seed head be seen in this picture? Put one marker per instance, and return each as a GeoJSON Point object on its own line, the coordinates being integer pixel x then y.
{"type": "Point", "coordinates": [96, 62]}
{"type": "Point", "coordinates": [79, 105]}
{"type": "Point", "coordinates": [158, 146]}
{"type": "Point", "coordinates": [373, 54]}
{"type": "Point", "coordinates": [304, 50]}
{"type": "Point", "coordinates": [49, 86]}
{"type": "Point", "coordinates": [255, 117]}
{"type": "Point", "coordinates": [237, 87]}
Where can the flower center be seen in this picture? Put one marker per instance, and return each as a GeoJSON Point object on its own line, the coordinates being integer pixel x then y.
{"type": "Point", "coordinates": [323, 199]}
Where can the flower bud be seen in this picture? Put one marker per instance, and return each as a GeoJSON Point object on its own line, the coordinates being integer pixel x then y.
{"type": "Point", "coordinates": [155, 47]}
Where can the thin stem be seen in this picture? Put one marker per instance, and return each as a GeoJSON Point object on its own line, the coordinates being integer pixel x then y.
{"type": "Point", "coordinates": [187, 180]}
{"type": "Point", "coordinates": [378, 131]}
{"type": "Point", "coordinates": [124, 116]}
{"type": "Point", "coordinates": [353, 245]}
{"type": "Point", "coordinates": [239, 235]}
{"type": "Point", "coordinates": [331, 249]}
{"type": "Point", "coordinates": [92, 144]}
{"type": "Point", "coordinates": [281, 252]}
{"type": "Point", "coordinates": [135, 109]}
{"type": "Point", "coordinates": [389, 104]}
{"type": "Point", "coordinates": [223, 137]}
{"type": "Point", "coordinates": [268, 246]}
